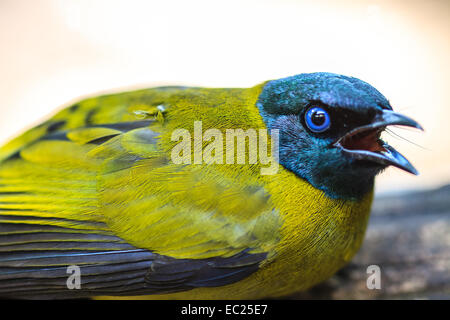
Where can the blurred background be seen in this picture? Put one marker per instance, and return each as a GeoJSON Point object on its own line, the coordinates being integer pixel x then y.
{"type": "Point", "coordinates": [53, 52]}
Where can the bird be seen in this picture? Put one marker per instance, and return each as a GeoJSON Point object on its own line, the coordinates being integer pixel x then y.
{"type": "Point", "coordinates": [95, 187]}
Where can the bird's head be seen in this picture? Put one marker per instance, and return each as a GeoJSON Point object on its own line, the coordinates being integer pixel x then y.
{"type": "Point", "coordinates": [329, 131]}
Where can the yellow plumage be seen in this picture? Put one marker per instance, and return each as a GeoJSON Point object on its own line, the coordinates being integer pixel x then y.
{"type": "Point", "coordinates": [102, 167]}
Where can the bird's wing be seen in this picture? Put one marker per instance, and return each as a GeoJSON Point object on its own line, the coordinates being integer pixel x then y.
{"type": "Point", "coordinates": [105, 197]}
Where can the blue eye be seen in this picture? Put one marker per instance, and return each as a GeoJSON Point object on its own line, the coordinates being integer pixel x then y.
{"type": "Point", "coordinates": [317, 119]}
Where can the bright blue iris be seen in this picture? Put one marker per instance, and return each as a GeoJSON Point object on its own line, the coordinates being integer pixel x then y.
{"type": "Point", "coordinates": [317, 119]}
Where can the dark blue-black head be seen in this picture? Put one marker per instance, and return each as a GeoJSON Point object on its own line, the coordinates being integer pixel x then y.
{"type": "Point", "coordinates": [329, 129]}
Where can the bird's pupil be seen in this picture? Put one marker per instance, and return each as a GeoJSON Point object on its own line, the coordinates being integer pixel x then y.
{"type": "Point", "coordinates": [318, 118]}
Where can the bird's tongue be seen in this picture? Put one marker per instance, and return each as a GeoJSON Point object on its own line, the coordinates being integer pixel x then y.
{"type": "Point", "coordinates": [367, 140]}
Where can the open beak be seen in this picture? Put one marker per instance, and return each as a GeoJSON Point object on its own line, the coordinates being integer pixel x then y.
{"type": "Point", "coordinates": [364, 143]}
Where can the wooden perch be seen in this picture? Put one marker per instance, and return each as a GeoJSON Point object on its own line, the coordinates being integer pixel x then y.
{"type": "Point", "coordinates": [409, 239]}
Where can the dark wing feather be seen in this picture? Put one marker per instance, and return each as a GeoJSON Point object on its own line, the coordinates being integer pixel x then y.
{"type": "Point", "coordinates": [34, 260]}
{"type": "Point", "coordinates": [182, 274]}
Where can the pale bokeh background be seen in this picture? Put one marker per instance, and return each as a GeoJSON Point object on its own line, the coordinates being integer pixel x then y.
{"type": "Point", "coordinates": [53, 52]}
